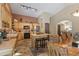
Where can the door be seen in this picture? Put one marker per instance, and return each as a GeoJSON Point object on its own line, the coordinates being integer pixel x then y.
{"type": "Point", "coordinates": [59, 30]}
{"type": "Point", "coordinates": [46, 27]}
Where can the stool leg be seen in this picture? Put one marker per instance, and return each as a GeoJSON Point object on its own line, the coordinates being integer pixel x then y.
{"type": "Point", "coordinates": [41, 43]}
{"type": "Point", "coordinates": [44, 43]}
{"type": "Point", "coordinates": [37, 44]}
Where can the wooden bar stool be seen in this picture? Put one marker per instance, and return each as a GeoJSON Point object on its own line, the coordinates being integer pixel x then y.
{"type": "Point", "coordinates": [38, 43]}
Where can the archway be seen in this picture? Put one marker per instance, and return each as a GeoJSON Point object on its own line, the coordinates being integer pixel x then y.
{"type": "Point", "coordinates": [64, 25]}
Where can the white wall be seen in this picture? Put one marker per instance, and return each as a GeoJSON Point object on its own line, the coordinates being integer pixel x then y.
{"type": "Point", "coordinates": [65, 14]}
{"type": "Point", "coordinates": [42, 19]}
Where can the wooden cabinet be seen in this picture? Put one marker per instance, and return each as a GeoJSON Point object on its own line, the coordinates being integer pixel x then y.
{"type": "Point", "coordinates": [5, 15]}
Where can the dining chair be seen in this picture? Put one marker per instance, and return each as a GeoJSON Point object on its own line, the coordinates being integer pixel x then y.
{"type": "Point", "coordinates": [54, 38]}
{"type": "Point", "coordinates": [52, 50]}
{"type": "Point", "coordinates": [62, 51]}
{"type": "Point", "coordinates": [64, 36]}
{"type": "Point", "coordinates": [69, 36]}
{"type": "Point", "coordinates": [57, 51]}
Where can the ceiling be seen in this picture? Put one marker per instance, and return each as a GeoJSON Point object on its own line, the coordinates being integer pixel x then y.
{"type": "Point", "coordinates": [51, 8]}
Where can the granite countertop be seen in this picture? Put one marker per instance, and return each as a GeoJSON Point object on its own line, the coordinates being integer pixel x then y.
{"type": "Point", "coordinates": [40, 34]}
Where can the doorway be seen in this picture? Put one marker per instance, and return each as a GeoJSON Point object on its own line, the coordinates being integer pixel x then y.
{"type": "Point", "coordinates": [46, 27]}
{"type": "Point", "coordinates": [65, 25]}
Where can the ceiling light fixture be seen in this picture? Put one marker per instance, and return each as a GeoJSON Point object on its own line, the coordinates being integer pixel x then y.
{"type": "Point", "coordinates": [76, 13]}
{"type": "Point", "coordinates": [28, 7]}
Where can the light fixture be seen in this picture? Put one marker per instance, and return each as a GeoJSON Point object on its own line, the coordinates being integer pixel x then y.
{"type": "Point", "coordinates": [29, 7]}
{"type": "Point", "coordinates": [76, 13]}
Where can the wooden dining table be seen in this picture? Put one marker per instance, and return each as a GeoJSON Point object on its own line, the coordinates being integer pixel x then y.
{"type": "Point", "coordinates": [72, 51]}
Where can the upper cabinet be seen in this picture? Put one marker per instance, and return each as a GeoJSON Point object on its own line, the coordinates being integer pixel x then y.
{"type": "Point", "coordinates": [6, 15]}
{"type": "Point", "coordinates": [26, 19]}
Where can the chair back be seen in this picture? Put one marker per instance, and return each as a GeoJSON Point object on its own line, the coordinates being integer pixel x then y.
{"type": "Point", "coordinates": [64, 36]}
{"type": "Point", "coordinates": [54, 38]}
{"type": "Point", "coordinates": [57, 51]}
{"type": "Point", "coordinates": [62, 51]}
{"type": "Point", "coordinates": [69, 35]}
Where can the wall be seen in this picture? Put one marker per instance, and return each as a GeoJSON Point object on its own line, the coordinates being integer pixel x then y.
{"type": "Point", "coordinates": [65, 14]}
{"type": "Point", "coordinates": [43, 18]}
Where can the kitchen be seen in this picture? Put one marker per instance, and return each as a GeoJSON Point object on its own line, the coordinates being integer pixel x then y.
{"type": "Point", "coordinates": [27, 31]}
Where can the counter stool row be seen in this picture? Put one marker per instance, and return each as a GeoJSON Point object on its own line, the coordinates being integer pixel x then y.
{"type": "Point", "coordinates": [41, 43]}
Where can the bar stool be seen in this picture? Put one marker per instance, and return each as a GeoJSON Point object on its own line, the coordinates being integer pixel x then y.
{"type": "Point", "coordinates": [45, 43]}
{"type": "Point", "coordinates": [41, 43]}
{"type": "Point", "coordinates": [37, 43]}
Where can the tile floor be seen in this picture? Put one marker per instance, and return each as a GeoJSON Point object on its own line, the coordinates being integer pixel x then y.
{"type": "Point", "coordinates": [24, 47]}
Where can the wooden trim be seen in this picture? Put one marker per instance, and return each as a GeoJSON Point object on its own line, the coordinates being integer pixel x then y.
{"type": "Point", "coordinates": [9, 8]}
{"type": "Point", "coordinates": [4, 6]}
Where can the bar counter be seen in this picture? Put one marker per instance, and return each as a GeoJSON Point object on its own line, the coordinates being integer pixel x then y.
{"type": "Point", "coordinates": [37, 36]}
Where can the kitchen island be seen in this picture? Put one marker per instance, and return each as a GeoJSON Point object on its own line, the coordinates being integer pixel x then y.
{"type": "Point", "coordinates": [39, 40]}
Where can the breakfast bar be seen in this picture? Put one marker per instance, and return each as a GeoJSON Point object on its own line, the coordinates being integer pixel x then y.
{"type": "Point", "coordinates": [39, 40]}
